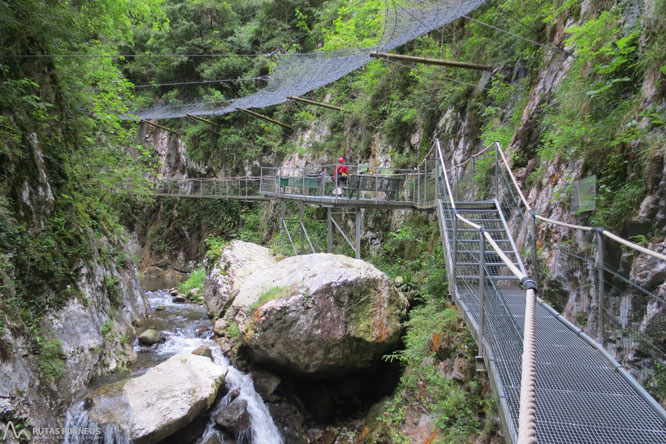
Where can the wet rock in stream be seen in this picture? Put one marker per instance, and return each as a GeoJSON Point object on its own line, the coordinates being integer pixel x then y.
{"type": "Point", "coordinates": [161, 401]}
{"type": "Point", "coordinates": [234, 418]}
{"type": "Point", "coordinates": [150, 337]}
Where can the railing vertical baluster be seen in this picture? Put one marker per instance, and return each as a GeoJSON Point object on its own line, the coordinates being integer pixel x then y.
{"type": "Point", "coordinates": [482, 287]}
{"type": "Point", "coordinates": [473, 179]}
{"type": "Point", "coordinates": [497, 171]}
{"type": "Point", "coordinates": [601, 296]}
{"type": "Point", "coordinates": [425, 167]}
{"type": "Point", "coordinates": [418, 184]}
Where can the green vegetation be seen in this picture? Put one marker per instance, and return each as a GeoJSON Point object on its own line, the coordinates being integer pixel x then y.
{"type": "Point", "coordinates": [50, 358]}
{"type": "Point", "coordinates": [233, 331]}
{"type": "Point", "coordinates": [270, 294]}
{"type": "Point", "coordinates": [62, 147]}
{"type": "Point", "coordinates": [106, 329]}
{"type": "Point", "coordinates": [414, 252]}
{"type": "Point", "coordinates": [457, 407]}
{"type": "Point", "coordinates": [194, 280]}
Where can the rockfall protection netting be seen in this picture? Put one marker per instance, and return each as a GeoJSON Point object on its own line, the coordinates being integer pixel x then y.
{"type": "Point", "coordinates": [298, 74]}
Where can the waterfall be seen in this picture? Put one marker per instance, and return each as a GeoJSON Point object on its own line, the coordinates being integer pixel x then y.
{"type": "Point", "coordinates": [184, 339]}
{"type": "Point", "coordinates": [81, 429]}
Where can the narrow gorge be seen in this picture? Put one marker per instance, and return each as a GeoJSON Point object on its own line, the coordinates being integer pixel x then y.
{"type": "Point", "coordinates": [176, 269]}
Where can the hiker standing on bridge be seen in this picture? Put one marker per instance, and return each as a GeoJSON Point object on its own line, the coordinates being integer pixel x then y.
{"type": "Point", "coordinates": [341, 175]}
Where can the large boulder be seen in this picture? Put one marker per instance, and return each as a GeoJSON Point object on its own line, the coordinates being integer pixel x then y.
{"type": "Point", "coordinates": [238, 260]}
{"type": "Point", "coordinates": [319, 315]}
{"type": "Point", "coordinates": [158, 403]}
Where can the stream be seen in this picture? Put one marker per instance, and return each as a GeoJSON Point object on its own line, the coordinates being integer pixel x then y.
{"type": "Point", "coordinates": [185, 327]}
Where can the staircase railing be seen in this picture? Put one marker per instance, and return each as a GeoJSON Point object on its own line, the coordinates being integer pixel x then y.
{"type": "Point", "coordinates": [527, 410]}
{"type": "Point", "coordinates": [606, 316]}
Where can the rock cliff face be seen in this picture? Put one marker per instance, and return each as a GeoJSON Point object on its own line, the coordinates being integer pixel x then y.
{"type": "Point", "coordinates": [96, 337]}
{"type": "Point", "coordinates": [45, 366]}
{"type": "Point", "coordinates": [317, 315]}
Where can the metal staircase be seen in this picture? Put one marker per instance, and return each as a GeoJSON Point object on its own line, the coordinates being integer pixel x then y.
{"type": "Point", "coordinates": [580, 394]}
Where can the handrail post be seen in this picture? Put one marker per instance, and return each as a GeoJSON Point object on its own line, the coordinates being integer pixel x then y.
{"type": "Point", "coordinates": [418, 183]}
{"type": "Point", "coordinates": [425, 167]}
{"type": "Point", "coordinates": [473, 179]}
{"type": "Point", "coordinates": [601, 296]}
{"type": "Point", "coordinates": [535, 253]}
{"type": "Point", "coordinates": [454, 249]}
{"type": "Point", "coordinates": [497, 171]}
{"type": "Point", "coordinates": [482, 286]}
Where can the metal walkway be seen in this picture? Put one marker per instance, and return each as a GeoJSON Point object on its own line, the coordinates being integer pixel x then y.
{"type": "Point", "coordinates": [366, 187]}
{"type": "Point", "coordinates": [581, 395]}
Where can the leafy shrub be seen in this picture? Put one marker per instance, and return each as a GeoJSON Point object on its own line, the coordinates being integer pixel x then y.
{"type": "Point", "coordinates": [50, 358]}
{"type": "Point", "coordinates": [194, 280]}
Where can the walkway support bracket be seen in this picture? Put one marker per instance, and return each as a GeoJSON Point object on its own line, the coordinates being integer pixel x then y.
{"type": "Point", "coordinates": [201, 119]}
{"type": "Point", "coordinates": [430, 61]}
{"type": "Point", "coordinates": [312, 102]}
{"type": "Point", "coordinates": [358, 234]}
{"type": "Point", "coordinates": [148, 122]}
{"type": "Point", "coordinates": [266, 118]}
{"type": "Point", "coordinates": [329, 231]}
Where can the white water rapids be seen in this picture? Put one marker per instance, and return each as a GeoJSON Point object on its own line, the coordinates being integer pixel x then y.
{"type": "Point", "coordinates": [185, 338]}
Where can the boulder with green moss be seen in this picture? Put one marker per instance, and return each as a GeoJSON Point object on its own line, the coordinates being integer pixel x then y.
{"type": "Point", "coordinates": [319, 315]}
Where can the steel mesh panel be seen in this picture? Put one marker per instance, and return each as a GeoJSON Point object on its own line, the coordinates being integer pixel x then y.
{"type": "Point", "coordinates": [298, 74]}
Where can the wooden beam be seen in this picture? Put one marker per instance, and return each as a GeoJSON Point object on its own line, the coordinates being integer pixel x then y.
{"type": "Point", "coordinates": [312, 102]}
{"type": "Point", "coordinates": [202, 120]}
{"type": "Point", "coordinates": [429, 61]}
{"type": "Point", "coordinates": [261, 116]}
{"type": "Point", "coordinates": [148, 122]}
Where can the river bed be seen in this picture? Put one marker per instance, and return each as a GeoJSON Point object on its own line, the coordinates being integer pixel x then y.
{"type": "Point", "coordinates": [184, 327]}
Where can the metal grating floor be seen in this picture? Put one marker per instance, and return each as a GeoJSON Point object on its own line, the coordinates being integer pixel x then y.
{"type": "Point", "coordinates": [581, 398]}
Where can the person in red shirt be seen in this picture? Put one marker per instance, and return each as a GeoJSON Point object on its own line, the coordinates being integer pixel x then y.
{"type": "Point", "coordinates": [341, 174]}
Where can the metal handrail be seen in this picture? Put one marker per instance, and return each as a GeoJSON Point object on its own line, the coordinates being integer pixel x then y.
{"type": "Point", "coordinates": [527, 412]}
{"type": "Point", "coordinates": [606, 233]}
